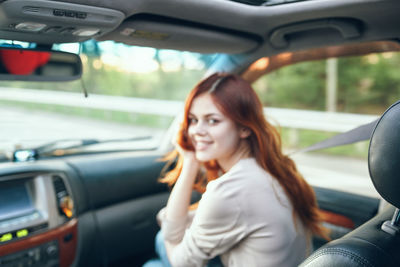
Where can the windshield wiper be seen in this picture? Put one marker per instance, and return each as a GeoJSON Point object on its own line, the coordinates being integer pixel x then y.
{"type": "Point", "coordinates": [57, 148]}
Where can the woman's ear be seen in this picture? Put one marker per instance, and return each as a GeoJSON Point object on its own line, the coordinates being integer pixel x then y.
{"type": "Point", "coordinates": [244, 132]}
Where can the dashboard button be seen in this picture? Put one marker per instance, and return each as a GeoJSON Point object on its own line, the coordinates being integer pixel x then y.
{"type": "Point", "coordinates": [54, 29]}
{"type": "Point", "coordinates": [68, 238]}
{"type": "Point", "coordinates": [58, 12]}
{"type": "Point", "coordinates": [68, 30]}
{"type": "Point", "coordinates": [51, 250]}
{"type": "Point", "coordinates": [81, 15]}
{"type": "Point", "coordinates": [70, 14]}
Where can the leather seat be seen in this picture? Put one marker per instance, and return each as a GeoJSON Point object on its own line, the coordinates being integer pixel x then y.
{"type": "Point", "coordinates": [377, 242]}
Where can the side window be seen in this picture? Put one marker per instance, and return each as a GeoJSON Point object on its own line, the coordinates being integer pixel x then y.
{"type": "Point", "coordinates": [312, 101]}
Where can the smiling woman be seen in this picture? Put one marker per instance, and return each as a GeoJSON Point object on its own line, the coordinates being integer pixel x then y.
{"type": "Point", "coordinates": [231, 153]}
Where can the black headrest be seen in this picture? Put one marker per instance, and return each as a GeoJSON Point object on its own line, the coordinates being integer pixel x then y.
{"type": "Point", "coordinates": [384, 155]}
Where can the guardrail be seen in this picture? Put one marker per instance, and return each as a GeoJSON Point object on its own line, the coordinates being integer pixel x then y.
{"type": "Point", "coordinates": [290, 118]}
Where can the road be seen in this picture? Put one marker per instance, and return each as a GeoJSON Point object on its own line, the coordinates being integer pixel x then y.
{"type": "Point", "coordinates": [36, 127]}
{"type": "Point", "coordinates": [32, 128]}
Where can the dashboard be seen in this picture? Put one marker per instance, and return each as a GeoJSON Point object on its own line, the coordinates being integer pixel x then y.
{"type": "Point", "coordinates": [84, 210]}
{"type": "Point", "coordinates": [37, 224]}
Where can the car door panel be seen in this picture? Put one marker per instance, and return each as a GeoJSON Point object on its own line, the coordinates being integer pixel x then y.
{"type": "Point", "coordinates": [343, 211]}
{"type": "Point", "coordinates": [356, 207]}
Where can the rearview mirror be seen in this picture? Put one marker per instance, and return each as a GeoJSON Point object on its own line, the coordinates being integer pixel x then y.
{"type": "Point", "coordinates": [32, 65]}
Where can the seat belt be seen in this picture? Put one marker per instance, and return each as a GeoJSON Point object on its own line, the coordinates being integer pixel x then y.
{"type": "Point", "coordinates": [355, 135]}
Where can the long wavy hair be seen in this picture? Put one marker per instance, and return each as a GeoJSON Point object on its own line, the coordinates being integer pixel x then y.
{"type": "Point", "coordinates": [237, 100]}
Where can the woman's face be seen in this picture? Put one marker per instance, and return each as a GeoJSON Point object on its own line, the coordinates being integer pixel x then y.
{"type": "Point", "coordinates": [214, 136]}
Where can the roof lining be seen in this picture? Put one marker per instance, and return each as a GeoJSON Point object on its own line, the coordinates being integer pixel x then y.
{"type": "Point", "coordinates": [162, 31]}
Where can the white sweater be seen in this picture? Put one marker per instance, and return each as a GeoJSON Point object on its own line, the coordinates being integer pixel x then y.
{"type": "Point", "coordinates": [245, 217]}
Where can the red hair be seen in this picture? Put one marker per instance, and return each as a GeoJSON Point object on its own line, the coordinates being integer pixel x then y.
{"type": "Point", "coordinates": [237, 100]}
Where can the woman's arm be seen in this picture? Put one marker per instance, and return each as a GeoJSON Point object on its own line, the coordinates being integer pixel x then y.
{"type": "Point", "coordinates": [179, 200]}
{"type": "Point", "coordinates": [217, 226]}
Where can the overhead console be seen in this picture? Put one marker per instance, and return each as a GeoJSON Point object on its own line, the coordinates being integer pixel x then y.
{"type": "Point", "coordinates": [171, 33]}
{"type": "Point", "coordinates": [37, 224]}
{"type": "Point", "coordinates": [302, 33]}
{"type": "Point", "coordinates": [48, 22]}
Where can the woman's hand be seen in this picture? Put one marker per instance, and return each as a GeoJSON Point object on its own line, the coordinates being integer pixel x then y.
{"type": "Point", "coordinates": [188, 154]}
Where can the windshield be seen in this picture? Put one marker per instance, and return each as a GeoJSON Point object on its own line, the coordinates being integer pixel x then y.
{"type": "Point", "coordinates": [134, 93]}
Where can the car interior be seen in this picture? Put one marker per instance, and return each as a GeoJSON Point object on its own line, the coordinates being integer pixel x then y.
{"type": "Point", "coordinates": [375, 243]}
{"type": "Point", "coordinates": [99, 209]}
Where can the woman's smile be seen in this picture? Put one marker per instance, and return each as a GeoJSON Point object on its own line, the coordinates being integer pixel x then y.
{"type": "Point", "coordinates": [202, 145]}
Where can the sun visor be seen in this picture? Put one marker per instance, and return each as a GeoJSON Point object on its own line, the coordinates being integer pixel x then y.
{"type": "Point", "coordinates": [48, 22]}
{"type": "Point", "coordinates": [167, 33]}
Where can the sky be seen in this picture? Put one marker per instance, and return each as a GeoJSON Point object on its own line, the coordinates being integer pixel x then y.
{"type": "Point", "coordinates": [141, 59]}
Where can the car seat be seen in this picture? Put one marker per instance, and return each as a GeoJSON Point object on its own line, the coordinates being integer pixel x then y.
{"type": "Point", "coordinates": [377, 242]}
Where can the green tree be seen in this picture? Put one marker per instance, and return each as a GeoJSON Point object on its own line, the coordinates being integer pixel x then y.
{"type": "Point", "coordinates": [298, 86]}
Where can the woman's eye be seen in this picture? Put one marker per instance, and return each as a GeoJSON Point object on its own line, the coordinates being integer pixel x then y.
{"type": "Point", "coordinates": [212, 121]}
{"type": "Point", "coordinates": [192, 121]}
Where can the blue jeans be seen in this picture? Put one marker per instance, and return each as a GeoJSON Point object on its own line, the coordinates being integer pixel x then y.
{"type": "Point", "coordinates": [163, 258]}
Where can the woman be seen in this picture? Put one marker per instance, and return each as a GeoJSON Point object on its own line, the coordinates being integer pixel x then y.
{"type": "Point", "coordinates": [256, 209]}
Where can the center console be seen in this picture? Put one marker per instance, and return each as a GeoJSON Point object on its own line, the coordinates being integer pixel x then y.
{"type": "Point", "coordinates": [37, 224]}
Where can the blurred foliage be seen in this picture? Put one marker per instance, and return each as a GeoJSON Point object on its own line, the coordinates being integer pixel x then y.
{"type": "Point", "coordinates": [111, 81]}
{"type": "Point", "coordinates": [114, 79]}
{"type": "Point", "coordinates": [299, 86]}
{"type": "Point", "coordinates": [367, 84]}
{"type": "Point", "coordinates": [158, 84]}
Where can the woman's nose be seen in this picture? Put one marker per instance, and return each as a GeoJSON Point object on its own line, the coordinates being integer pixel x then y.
{"type": "Point", "coordinates": [199, 128]}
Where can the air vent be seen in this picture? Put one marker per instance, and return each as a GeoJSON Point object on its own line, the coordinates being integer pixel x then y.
{"type": "Point", "coordinates": [31, 9]}
{"type": "Point", "coordinates": [59, 186]}
{"type": "Point", "coordinates": [64, 200]}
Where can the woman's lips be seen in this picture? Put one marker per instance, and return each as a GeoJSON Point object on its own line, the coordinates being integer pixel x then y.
{"type": "Point", "coordinates": [202, 145]}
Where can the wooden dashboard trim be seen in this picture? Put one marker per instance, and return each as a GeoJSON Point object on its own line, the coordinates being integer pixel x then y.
{"type": "Point", "coordinates": [66, 235]}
